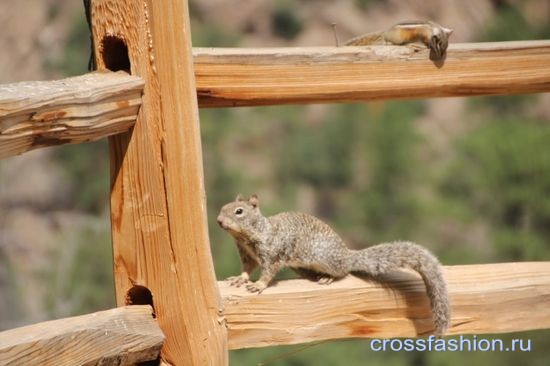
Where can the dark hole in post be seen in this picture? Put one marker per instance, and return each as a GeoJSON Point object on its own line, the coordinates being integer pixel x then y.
{"type": "Point", "coordinates": [115, 53]}
{"type": "Point", "coordinates": [149, 363]}
{"type": "Point", "coordinates": [140, 295]}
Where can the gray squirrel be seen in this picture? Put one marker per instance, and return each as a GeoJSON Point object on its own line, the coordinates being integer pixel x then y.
{"type": "Point", "coordinates": [315, 251]}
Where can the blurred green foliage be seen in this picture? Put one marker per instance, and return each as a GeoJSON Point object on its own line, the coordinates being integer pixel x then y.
{"type": "Point", "coordinates": [388, 202]}
{"type": "Point", "coordinates": [285, 21]}
{"type": "Point", "coordinates": [12, 290]}
{"type": "Point", "coordinates": [74, 60]}
{"type": "Point", "coordinates": [501, 174]}
{"type": "Point", "coordinates": [365, 5]}
{"type": "Point", "coordinates": [81, 273]}
{"type": "Point", "coordinates": [88, 168]}
{"type": "Point", "coordinates": [212, 35]}
{"type": "Point", "coordinates": [509, 24]}
{"type": "Point", "coordinates": [324, 147]}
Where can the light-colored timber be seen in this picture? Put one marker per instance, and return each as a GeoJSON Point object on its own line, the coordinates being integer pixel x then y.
{"type": "Point", "coordinates": [485, 298]}
{"type": "Point", "coordinates": [158, 208]}
{"type": "Point", "coordinates": [122, 336]}
{"type": "Point", "coordinates": [93, 106]}
{"type": "Point", "coordinates": [35, 114]}
{"type": "Point", "coordinates": [266, 76]}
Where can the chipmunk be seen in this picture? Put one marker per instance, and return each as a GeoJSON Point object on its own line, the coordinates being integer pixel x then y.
{"type": "Point", "coordinates": [315, 251]}
{"type": "Point", "coordinates": [433, 35]}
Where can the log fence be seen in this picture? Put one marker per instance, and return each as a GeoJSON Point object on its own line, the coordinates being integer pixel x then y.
{"type": "Point", "coordinates": [171, 307]}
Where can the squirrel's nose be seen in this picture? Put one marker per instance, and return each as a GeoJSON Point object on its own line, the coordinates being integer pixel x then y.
{"type": "Point", "coordinates": [220, 221]}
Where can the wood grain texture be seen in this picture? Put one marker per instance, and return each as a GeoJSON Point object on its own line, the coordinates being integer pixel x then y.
{"type": "Point", "coordinates": [122, 336]}
{"type": "Point", "coordinates": [35, 114]}
{"type": "Point", "coordinates": [158, 209]}
{"type": "Point", "coordinates": [268, 76]}
{"type": "Point", "coordinates": [487, 298]}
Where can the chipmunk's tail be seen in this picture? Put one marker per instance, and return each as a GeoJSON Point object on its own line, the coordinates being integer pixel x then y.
{"type": "Point", "coordinates": [375, 38]}
{"type": "Point", "coordinates": [389, 257]}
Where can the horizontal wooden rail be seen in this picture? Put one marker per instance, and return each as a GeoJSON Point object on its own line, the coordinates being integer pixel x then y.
{"type": "Point", "coordinates": [487, 298]}
{"type": "Point", "coordinates": [121, 336]}
{"type": "Point", "coordinates": [267, 76]}
{"type": "Point", "coordinates": [84, 108]}
{"type": "Point", "coordinates": [93, 106]}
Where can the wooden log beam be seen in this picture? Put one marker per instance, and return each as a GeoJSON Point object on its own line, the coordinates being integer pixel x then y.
{"type": "Point", "coordinates": [35, 114]}
{"type": "Point", "coordinates": [486, 298]}
{"type": "Point", "coordinates": [268, 76]}
{"type": "Point", "coordinates": [123, 336]}
{"type": "Point", "coordinates": [158, 208]}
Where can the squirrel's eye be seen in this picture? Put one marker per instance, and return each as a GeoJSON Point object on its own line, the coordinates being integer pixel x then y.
{"type": "Point", "coordinates": [239, 211]}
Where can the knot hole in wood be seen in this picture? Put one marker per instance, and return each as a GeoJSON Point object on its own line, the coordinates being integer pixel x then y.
{"type": "Point", "coordinates": [140, 295]}
{"type": "Point", "coordinates": [114, 52]}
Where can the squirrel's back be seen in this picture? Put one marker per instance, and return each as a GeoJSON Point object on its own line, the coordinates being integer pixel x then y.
{"type": "Point", "coordinates": [301, 224]}
{"type": "Point", "coordinates": [306, 233]}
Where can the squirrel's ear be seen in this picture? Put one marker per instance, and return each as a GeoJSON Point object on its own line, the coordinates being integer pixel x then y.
{"type": "Point", "coordinates": [239, 198]}
{"type": "Point", "coordinates": [448, 31]}
{"type": "Point", "coordinates": [254, 201]}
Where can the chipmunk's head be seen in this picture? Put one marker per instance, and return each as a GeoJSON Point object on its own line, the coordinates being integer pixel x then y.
{"type": "Point", "coordinates": [439, 40]}
{"type": "Point", "coordinates": [239, 216]}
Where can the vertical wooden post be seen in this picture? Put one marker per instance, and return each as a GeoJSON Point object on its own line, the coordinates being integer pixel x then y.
{"type": "Point", "coordinates": [158, 208]}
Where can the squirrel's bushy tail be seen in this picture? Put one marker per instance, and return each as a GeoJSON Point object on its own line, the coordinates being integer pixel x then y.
{"type": "Point", "coordinates": [388, 257]}
{"type": "Point", "coordinates": [373, 38]}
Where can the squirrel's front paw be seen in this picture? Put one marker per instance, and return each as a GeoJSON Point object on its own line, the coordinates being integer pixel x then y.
{"type": "Point", "coordinates": [237, 281]}
{"type": "Point", "coordinates": [257, 286]}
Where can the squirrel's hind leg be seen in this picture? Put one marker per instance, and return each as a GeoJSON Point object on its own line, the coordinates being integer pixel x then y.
{"type": "Point", "coordinates": [312, 275]}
